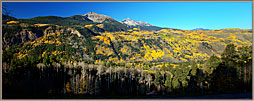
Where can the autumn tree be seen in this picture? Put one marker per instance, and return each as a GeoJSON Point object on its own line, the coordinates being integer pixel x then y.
{"type": "Point", "coordinates": [211, 64]}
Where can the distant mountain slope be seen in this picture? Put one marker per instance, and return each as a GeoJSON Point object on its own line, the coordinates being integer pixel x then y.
{"type": "Point", "coordinates": [200, 29]}
{"type": "Point", "coordinates": [139, 24]}
{"type": "Point", "coordinates": [6, 17]}
{"type": "Point", "coordinates": [131, 22]}
{"type": "Point", "coordinates": [109, 23]}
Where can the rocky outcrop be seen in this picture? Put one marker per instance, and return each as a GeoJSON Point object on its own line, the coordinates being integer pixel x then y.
{"type": "Point", "coordinates": [22, 36]}
{"type": "Point", "coordinates": [31, 34]}
{"type": "Point", "coordinates": [97, 17]}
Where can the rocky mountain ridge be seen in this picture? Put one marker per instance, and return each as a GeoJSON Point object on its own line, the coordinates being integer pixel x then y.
{"type": "Point", "coordinates": [131, 22]}
{"type": "Point", "coordinates": [95, 17]}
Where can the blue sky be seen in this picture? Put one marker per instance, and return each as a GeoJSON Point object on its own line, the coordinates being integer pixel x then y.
{"type": "Point", "coordinates": [181, 15]}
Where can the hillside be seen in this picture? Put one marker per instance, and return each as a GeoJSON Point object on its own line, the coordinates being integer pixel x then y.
{"type": "Point", "coordinates": [132, 46]}
{"type": "Point", "coordinates": [77, 20]}
{"type": "Point", "coordinates": [93, 54]}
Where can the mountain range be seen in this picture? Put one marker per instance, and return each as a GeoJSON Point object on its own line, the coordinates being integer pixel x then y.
{"type": "Point", "coordinates": [109, 23]}
{"type": "Point", "coordinates": [200, 29]}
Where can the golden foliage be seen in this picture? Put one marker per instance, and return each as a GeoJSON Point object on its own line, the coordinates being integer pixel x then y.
{"type": "Point", "coordinates": [90, 25]}
{"type": "Point", "coordinates": [12, 22]}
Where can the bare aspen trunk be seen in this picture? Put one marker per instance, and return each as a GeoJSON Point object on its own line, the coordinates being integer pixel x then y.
{"type": "Point", "coordinates": [93, 84]}
{"type": "Point", "coordinates": [89, 84]}
{"type": "Point", "coordinates": [240, 74]}
{"type": "Point", "coordinates": [121, 77]}
{"type": "Point", "coordinates": [40, 73]}
{"type": "Point", "coordinates": [83, 77]}
{"type": "Point", "coordinates": [130, 82]}
{"type": "Point", "coordinates": [99, 80]}
{"type": "Point", "coordinates": [87, 74]}
{"type": "Point", "coordinates": [250, 74]}
{"type": "Point", "coordinates": [109, 75]}
{"type": "Point", "coordinates": [64, 80]}
{"type": "Point", "coordinates": [108, 81]}
{"type": "Point", "coordinates": [245, 75]}
{"type": "Point", "coordinates": [118, 77]}
{"type": "Point", "coordinates": [73, 81]}
{"type": "Point", "coordinates": [77, 83]}
{"type": "Point", "coordinates": [96, 86]}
